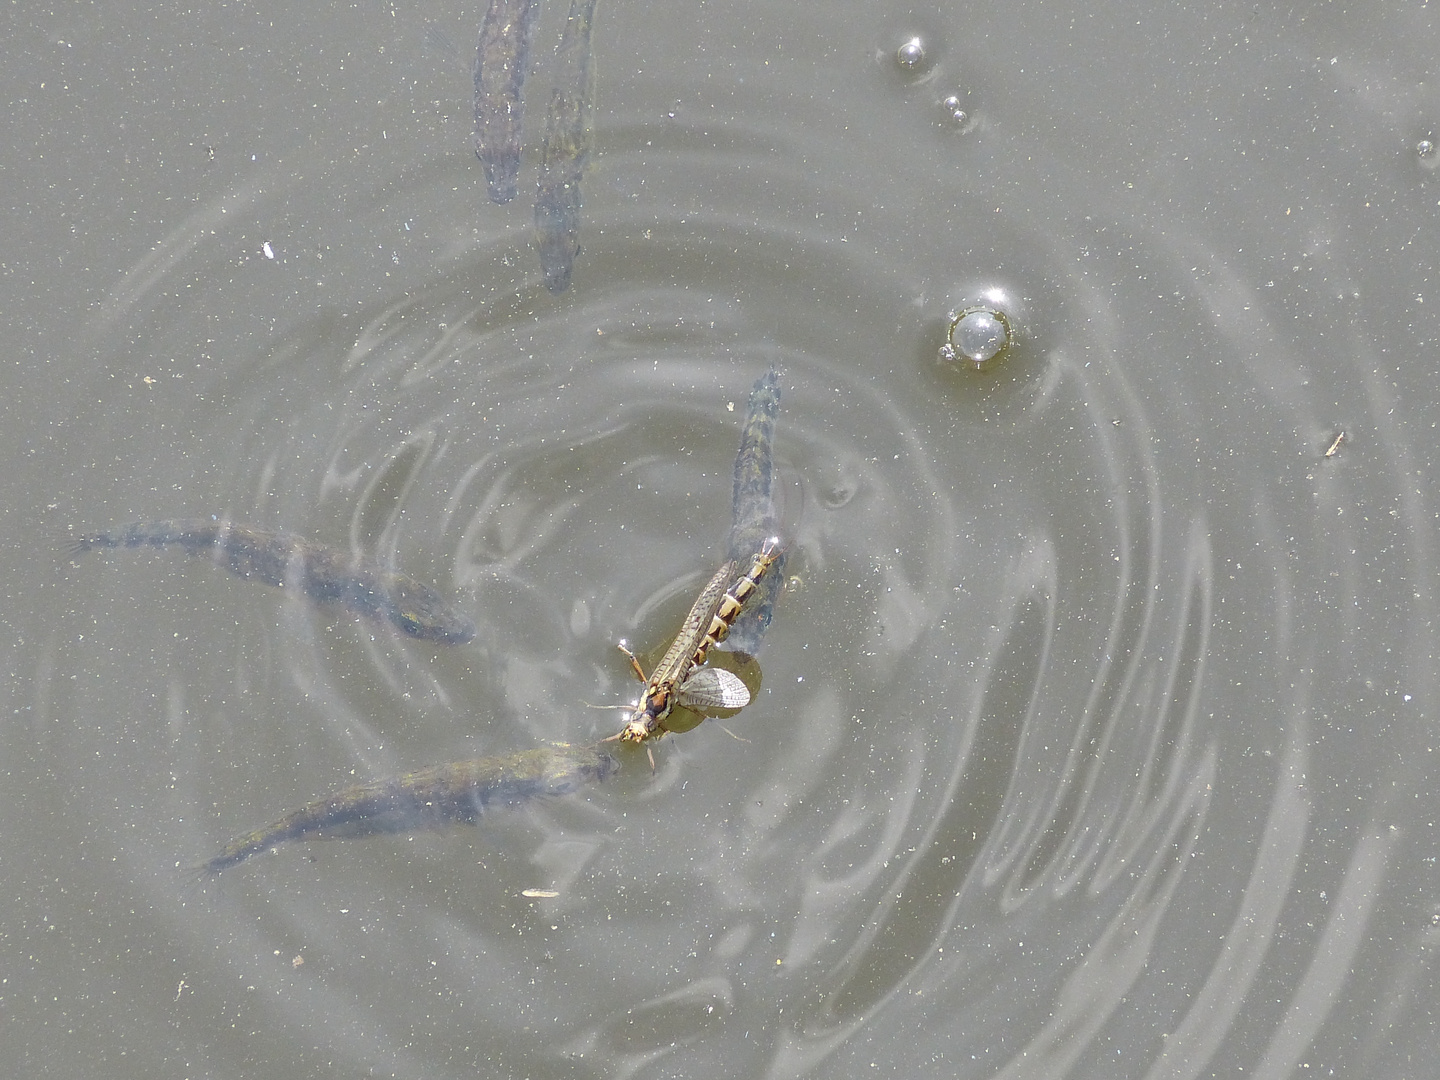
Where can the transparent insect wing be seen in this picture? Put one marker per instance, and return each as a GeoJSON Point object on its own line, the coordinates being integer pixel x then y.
{"type": "Point", "coordinates": [713, 688]}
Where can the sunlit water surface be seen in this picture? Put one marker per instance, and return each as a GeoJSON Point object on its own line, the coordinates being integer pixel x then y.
{"type": "Point", "coordinates": [1095, 737]}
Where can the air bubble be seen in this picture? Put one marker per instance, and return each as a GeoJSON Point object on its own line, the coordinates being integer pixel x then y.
{"type": "Point", "coordinates": [911, 54]}
{"type": "Point", "coordinates": [978, 335]}
{"type": "Point", "coordinates": [953, 112]}
{"type": "Point", "coordinates": [1425, 148]}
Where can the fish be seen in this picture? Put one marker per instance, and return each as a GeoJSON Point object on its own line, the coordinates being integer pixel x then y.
{"type": "Point", "coordinates": [566, 150]}
{"type": "Point", "coordinates": [502, 58]}
{"type": "Point", "coordinates": [678, 679]}
{"type": "Point", "coordinates": [753, 514]}
{"type": "Point", "coordinates": [324, 574]}
{"type": "Point", "coordinates": [455, 793]}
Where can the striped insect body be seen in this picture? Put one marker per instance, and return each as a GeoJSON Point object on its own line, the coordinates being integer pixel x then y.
{"type": "Point", "coordinates": [679, 678]}
{"type": "Point", "coordinates": [736, 597]}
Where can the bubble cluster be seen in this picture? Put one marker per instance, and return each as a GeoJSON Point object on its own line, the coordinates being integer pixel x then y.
{"type": "Point", "coordinates": [953, 111]}
{"type": "Point", "coordinates": [977, 335]}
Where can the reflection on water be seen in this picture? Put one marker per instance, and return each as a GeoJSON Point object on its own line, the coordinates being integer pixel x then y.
{"type": "Point", "coordinates": [1094, 738]}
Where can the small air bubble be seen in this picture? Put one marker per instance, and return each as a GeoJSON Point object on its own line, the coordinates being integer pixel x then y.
{"type": "Point", "coordinates": [978, 335]}
{"type": "Point", "coordinates": [1425, 148]}
{"type": "Point", "coordinates": [911, 54]}
{"type": "Point", "coordinates": [954, 111]}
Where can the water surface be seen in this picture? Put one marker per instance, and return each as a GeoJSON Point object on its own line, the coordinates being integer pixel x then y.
{"type": "Point", "coordinates": [1096, 731]}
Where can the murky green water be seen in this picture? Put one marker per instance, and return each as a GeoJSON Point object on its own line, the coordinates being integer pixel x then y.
{"type": "Point", "coordinates": [1095, 735]}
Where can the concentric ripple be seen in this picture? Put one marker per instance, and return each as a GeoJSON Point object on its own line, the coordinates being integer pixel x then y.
{"type": "Point", "coordinates": [1093, 730]}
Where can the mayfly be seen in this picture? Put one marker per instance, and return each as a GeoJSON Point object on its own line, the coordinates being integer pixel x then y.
{"type": "Point", "coordinates": [679, 679]}
{"type": "Point", "coordinates": [453, 793]}
{"type": "Point", "coordinates": [324, 574]}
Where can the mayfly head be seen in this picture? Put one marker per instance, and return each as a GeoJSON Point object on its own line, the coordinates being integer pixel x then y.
{"type": "Point", "coordinates": [645, 719]}
{"type": "Point", "coordinates": [635, 731]}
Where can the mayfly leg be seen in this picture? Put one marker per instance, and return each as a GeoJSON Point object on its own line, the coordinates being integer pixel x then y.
{"type": "Point", "coordinates": [634, 661]}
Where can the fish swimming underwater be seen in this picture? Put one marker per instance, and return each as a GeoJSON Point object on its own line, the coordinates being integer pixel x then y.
{"type": "Point", "coordinates": [502, 58]}
{"type": "Point", "coordinates": [324, 574]}
{"type": "Point", "coordinates": [753, 516]}
{"type": "Point", "coordinates": [458, 792]}
{"type": "Point", "coordinates": [566, 150]}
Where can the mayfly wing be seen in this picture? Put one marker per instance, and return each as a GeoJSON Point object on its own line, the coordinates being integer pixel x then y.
{"type": "Point", "coordinates": [713, 688]}
{"type": "Point", "coordinates": [678, 659]}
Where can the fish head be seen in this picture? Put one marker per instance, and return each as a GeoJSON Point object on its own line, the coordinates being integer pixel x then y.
{"type": "Point", "coordinates": [423, 613]}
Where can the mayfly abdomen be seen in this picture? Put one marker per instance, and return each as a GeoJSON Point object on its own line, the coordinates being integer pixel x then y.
{"type": "Point", "coordinates": [733, 604]}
